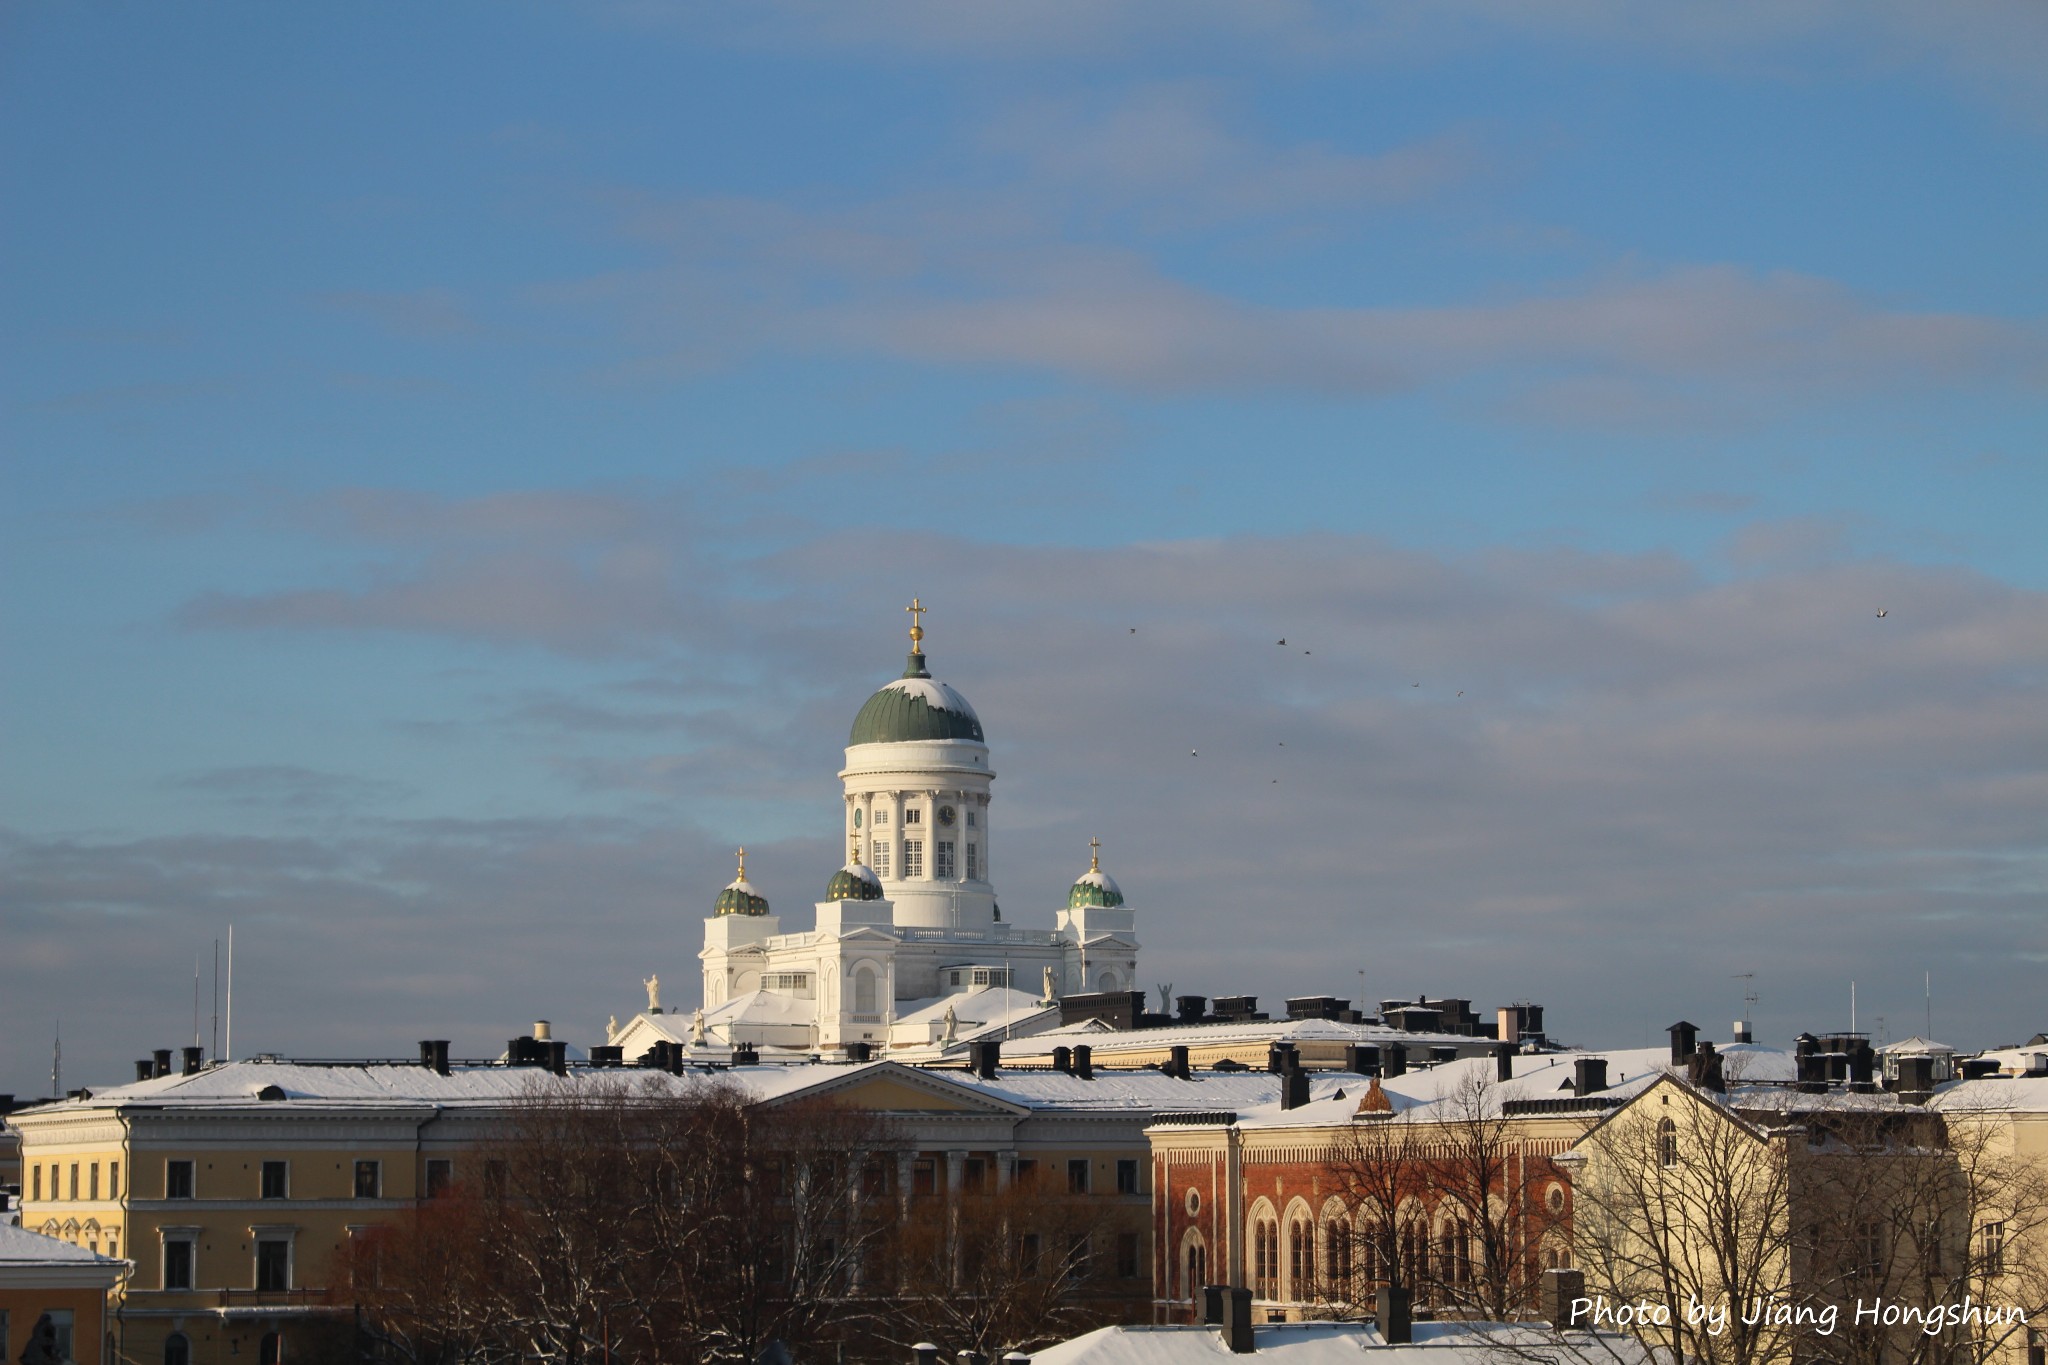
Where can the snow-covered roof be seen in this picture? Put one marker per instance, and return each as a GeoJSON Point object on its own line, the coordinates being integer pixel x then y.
{"type": "Point", "coordinates": [2007, 1094]}
{"type": "Point", "coordinates": [20, 1247]}
{"type": "Point", "coordinates": [1916, 1046]}
{"type": "Point", "coordinates": [1148, 1091]}
{"type": "Point", "coordinates": [1224, 1034]}
{"type": "Point", "coordinates": [1328, 1343]}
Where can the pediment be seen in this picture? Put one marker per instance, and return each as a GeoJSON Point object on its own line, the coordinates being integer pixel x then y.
{"type": "Point", "coordinates": [891, 1088]}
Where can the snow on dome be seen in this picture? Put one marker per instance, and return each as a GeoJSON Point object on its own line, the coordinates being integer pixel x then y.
{"type": "Point", "coordinates": [854, 882]}
{"type": "Point", "coordinates": [739, 896]}
{"type": "Point", "coordinates": [915, 706]}
{"type": "Point", "coordinates": [1095, 887]}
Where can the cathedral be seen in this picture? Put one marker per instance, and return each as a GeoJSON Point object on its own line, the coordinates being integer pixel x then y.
{"type": "Point", "coordinates": [909, 949]}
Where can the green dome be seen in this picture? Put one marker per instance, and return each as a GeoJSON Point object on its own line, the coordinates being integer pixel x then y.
{"type": "Point", "coordinates": [915, 706]}
{"type": "Point", "coordinates": [739, 896]}
{"type": "Point", "coordinates": [1096, 888]}
{"type": "Point", "coordinates": [854, 882]}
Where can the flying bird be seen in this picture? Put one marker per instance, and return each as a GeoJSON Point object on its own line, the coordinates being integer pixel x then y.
{"type": "Point", "coordinates": [1461, 694]}
{"type": "Point", "coordinates": [1134, 630]}
{"type": "Point", "coordinates": [1415, 684]}
{"type": "Point", "coordinates": [1880, 611]}
{"type": "Point", "coordinates": [1192, 754]}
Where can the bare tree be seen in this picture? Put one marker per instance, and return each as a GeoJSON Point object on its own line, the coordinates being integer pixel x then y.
{"type": "Point", "coordinates": [1682, 1226]}
{"type": "Point", "coordinates": [637, 1218]}
{"type": "Point", "coordinates": [1014, 1269]}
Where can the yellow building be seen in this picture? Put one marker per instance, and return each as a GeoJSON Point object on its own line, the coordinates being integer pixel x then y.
{"type": "Point", "coordinates": [235, 1189]}
{"type": "Point", "coordinates": [53, 1298]}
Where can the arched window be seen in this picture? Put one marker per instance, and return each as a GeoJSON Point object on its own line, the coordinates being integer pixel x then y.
{"type": "Point", "coordinates": [1337, 1256]}
{"type": "Point", "coordinates": [1667, 1143]}
{"type": "Point", "coordinates": [1301, 1260]}
{"type": "Point", "coordinates": [177, 1349]}
{"type": "Point", "coordinates": [1415, 1253]}
{"type": "Point", "coordinates": [864, 989]}
{"type": "Point", "coordinates": [1197, 1267]}
{"type": "Point", "coordinates": [1106, 982]}
{"type": "Point", "coordinates": [1454, 1252]}
{"type": "Point", "coordinates": [1370, 1274]}
{"type": "Point", "coordinates": [1266, 1260]}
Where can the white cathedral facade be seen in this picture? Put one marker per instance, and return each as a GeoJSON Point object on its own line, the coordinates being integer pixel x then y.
{"type": "Point", "coordinates": [908, 948]}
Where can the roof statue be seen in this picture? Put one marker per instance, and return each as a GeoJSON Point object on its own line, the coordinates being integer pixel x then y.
{"type": "Point", "coordinates": [697, 1027]}
{"type": "Point", "coordinates": [1052, 985]}
{"type": "Point", "coordinates": [611, 1027]}
{"type": "Point", "coordinates": [952, 1025]}
{"type": "Point", "coordinates": [653, 985]}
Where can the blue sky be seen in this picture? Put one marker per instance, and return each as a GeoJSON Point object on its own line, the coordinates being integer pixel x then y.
{"type": "Point", "coordinates": [443, 442]}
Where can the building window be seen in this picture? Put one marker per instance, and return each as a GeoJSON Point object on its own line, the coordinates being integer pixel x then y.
{"type": "Point", "coordinates": [1077, 1177]}
{"type": "Point", "coordinates": [881, 815]}
{"type": "Point", "coordinates": [270, 1350]}
{"type": "Point", "coordinates": [1027, 1170]}
{"type": "Point", "coordinates": [274, 1177]}
{"type": "Point", "coordinates": [913, 816]}
{"type": "Point", "coordinates": [60, 1328]}
{"type": "Point", "coordinates": [1080, 1256]}
{"type": "Point", "coordinates": [1667, 1143]}
{"type": "Point", "coordinates": [1991, 1248]}
{"type": "Point", "coordinates": [1301, 1258]}
{"type": "Point", "coordinates": [789, 981]}
{"type": "Point", "coordinates": [93, 1181]}
{"type": "Point", "coordinates": [864, 990]}
{"type": "Point", "coordinates": [924, 1176]}
{"type": "Point", "coordinates": [113, 1180]}
{"type": "Point", "coordinates": [1028, 1253]}
{"type": "Point", "coordinates": [880, 860]}
{"type": "Point", "coordinates": [943, 861]}
{"type": "Point", "coordinates": [970, 823]}
{"type": "Point", "coordinates": [440, 1176]}
{"type": "Point", "coordinates": [1266, 1261]}
{"type": "Point", "coordinates": [913, 858]}
{"type": "Point", "coordinates": [177, 1349]}
{"type": "Point", "coordinates": [974, 1175]}
{"type": "Point", "coordinates": [1127, 1175]}
{"type": "Point", "coordinates": [273, 1264]}
{"type": "Point", "coordinates": [35, 1176]}
{"type": "Point", "coordinates": [178, 1262]}
{"type": "Point", "coordinates": [177, 1180]}
{"type": "Point", "coordinates": [973, 860]}
{"type": "Point", "coordinates": [74, 1182]}
{"type": "Point", "coordinates": [369, 1180]}
{"type": "Point", "coordinates": [1127, 1255]}
{"type": "Point", "coordinates": [1337, 1256]}
{"type": "Point", "coordinates": [1198, 1268]}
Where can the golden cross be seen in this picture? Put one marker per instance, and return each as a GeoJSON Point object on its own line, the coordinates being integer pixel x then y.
{"type": "Point", "coordinates": [916, 610]}
{"type": "Point", "coordinates": [743, 865]}
{"type": "Point", "coordinates": [1094, 854]}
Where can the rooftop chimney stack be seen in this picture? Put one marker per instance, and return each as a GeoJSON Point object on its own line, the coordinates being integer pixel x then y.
{"type": "Point", "coordinates": [542, 1030]}
{"type": "Point", "coordinates": [1562, 1290]}
{"type": "Point", "coordinates": [1394, 1309]}
{"type": "Point", "coordinates": [195, 1057]}
{"type": "Point", "coordinates": [1742, 1031]}
{"type": "Point", "coordinates": [1393, 1060]}
{"type": "Point", "coordinates": [1177, 1062]}
{"type": "Point", "coordinates": [984, 1057]}
{"type": "Point", "coordinates": [144, 1068]}
{"type": "Point", "coordinates": [162, 1061]}
{"type": "Point", "coordinates": [1683, 1036]}
{"type": "Point", "coordinates": [1503, 1061]}
{"type": "Point", "coordinates": [1237, 1321]}
{"type": "Point", "coordinates": [1063, 1060]}
{"type": "Point", "coordinates": [1589, 1076]}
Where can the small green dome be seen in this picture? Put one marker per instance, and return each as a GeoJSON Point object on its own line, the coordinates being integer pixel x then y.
{"type": "Point", "coordinates": [915, 706]}
{"type": "Point", "coordinates": [1095, 888]}
{"type": "Point", "coordinates": [854, 882]}
{"type": "Point", "coordinates": [739, 896]}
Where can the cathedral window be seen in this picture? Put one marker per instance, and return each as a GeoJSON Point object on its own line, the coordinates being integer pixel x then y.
{"type": "Point", "coordinates": [863, 990]}
{"type": "Point", "coordinates": [971, 819]}
{"type": "Point", "coordinates": [973, 861]}
{"type": "Point", "coordinates": [943, 861]}
{"type": "Point", "coordinates": [913, 816]}
{"type": "Point", "coordinates": [880, 859]}
{"type": "Point", "coordinates": [881, 815]}
{"type": "Point", "coordinates": [913, 857]}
